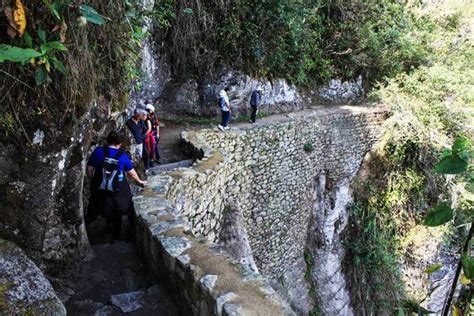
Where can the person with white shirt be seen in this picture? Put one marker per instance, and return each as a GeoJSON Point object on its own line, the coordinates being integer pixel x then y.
{"type": "Point", "coordinates": [224, 105]}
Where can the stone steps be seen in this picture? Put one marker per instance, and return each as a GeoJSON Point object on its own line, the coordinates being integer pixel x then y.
{"type": "Point", "coordinates": [169, 167]}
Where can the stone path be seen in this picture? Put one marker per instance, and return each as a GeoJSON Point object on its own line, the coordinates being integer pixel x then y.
{"type": "Point", "coordinates": [171, 132]}
{"type": "Point", "coordinates": [113, 281]}
{"type": "Point", "coordinates": [170, 141]}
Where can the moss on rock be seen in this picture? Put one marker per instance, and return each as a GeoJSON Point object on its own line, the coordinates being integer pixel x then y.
{"type": "Point", "coordinates": [24, 290]}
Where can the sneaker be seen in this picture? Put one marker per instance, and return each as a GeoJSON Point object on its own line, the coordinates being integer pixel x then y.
{"type": "Point", "coordinates": [250, 121]}
{"type": "Point", "coordinates": [227, 128]}
{"type": "Point", "coordinates": [222, 128]}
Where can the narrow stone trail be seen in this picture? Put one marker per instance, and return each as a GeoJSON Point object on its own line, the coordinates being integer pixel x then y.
{"type": "Point", "coordinates": [113, 280]}
{"type": "Point", "coordinates": [170, 140]}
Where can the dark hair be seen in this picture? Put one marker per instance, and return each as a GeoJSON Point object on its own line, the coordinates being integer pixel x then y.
{"type": "Point", "coordinates": [114, 138]}
{"type": "Point", "coordinates": [226, 89]}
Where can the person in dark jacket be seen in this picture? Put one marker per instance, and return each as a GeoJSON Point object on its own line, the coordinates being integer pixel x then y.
{"type": "Point", "coordinates": [255, 102]}
{"type": "Point", "coordinates": [111, 205]}
{"type": "Point", "coordinates": [224, 105]}
{"type": "Point", "coordinates": [138, 127]}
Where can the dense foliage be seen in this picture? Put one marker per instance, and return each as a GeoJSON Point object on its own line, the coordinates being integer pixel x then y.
{"type": "Point", "coordinates": [431, 107]}
{"type": "Point", "coordinates": [303, 41]}
{"type": "Point", "coordinates": [56, 58]}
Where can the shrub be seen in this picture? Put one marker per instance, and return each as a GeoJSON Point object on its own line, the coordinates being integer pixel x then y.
{"type": "Point", "coordinates": [302, 41]}
{"type": "Point", "coordinates": [430, 108]}
{"type": "Point", "coordinates": [78, 56]}
{"type": "Point", "coordinates": [308, 147]}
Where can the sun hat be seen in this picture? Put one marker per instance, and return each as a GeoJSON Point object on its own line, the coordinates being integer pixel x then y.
{"type": "Point", "coordinates": [150, 107]}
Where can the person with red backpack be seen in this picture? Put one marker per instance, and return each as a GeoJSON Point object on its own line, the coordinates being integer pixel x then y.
{"type": "Point", "coordinates": [111, 197]}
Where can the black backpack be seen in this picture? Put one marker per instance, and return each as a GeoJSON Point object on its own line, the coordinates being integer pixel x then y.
{"type": "Point", "coordinates": [111, 174]}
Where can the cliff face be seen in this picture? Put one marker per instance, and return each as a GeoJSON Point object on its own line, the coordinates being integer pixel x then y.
{"type": "Point", "coordinates": [52, 109]}
{"type": "Point", "coordinates": [42, 209]}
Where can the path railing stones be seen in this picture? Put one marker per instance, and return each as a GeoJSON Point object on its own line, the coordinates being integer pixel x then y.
{"type": "Point", "coordinates": [201, 277]}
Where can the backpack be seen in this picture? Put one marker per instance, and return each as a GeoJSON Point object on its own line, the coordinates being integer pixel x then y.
{"type": "Point", "coordinates": [111, 174]}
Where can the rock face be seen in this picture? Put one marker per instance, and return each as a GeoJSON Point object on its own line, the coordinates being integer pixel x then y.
{"type": "Point", "coordinates": [234, 238]}
{"type": "Point", "coordinates": [42, 192]}
{"type": "Point", "coordinates": [23, 288]}
{"type": "Point", "coordinates": [200, 97]}
{"type": "Point", "coordinates": [155, 69]}
{"type": "Point", "coordinates": [421, 248]}
{"type": "Point", "coordinates": [340, 92]}
{"type": "Point", "coordinates": [324, 245]}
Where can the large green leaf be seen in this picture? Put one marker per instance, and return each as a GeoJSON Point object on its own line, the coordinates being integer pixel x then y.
{"type": "Point", "coordinates": [451, 165]}
{"type": "Point", "coordinates": [28, 40]}
{"type": "Point", "coordinates": [56, 9]}
{"type": "Point", "coordinates": [468, 265]}
{"type": "Point", "coordinates": [42, 34]}
{"type": "Point", "coordinates": [41, 75]}
{"type": "Point", "coordinates": [58, 65]}
{"type": "Point", "coordinates": [438, 215]}
{"type": "Point", "coordinates": [91, 15]}
{"type": "Point", "coordinates": [400, 312]}
{"type": "Point", "coordinates": [433, 268]}
{"type": "Point", "coordinates": [46, 47]}
{"type": "Point", "coordinates": [17, 54]}
{"type": "Point", "coordinates": [461, 144]}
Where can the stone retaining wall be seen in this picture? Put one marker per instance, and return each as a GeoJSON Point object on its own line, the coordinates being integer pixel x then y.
{"type": "Point", "coordinates": [198, 274]}
{"type": "Point", "coordinates": [266, 171]}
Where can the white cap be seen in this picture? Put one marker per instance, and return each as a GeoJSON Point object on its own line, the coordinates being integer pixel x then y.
{"type": "Point", "coordinates": [259, 88]}
{"type": "Point", "coordinates": [150, 107]}
{"type": "Point", "coordinates": [140, 111]}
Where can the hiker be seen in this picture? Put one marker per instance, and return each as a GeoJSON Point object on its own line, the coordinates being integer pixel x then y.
{"type": "Point", "coordinates": [255, 102]}
{"type": "Point", "coordinates": [137, 126]}
{"type": "Point", "coordinates": [224, 105]}
{"type": "Point", "coordinates": [153, 134]}
{"type": "Point", "coordinates": [110, 192]}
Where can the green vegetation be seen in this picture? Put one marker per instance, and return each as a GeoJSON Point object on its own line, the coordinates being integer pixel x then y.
{"type": "Point", "coordinates": [302, 41]}
{"type": "Point", "coordinates": [309, 260]}
{"type": "Point", "coordinates": [308, 147]}
{"type": "Point", "coordinates": [57, 58]}
{"type": "Point", "coordinates": [404, 185]}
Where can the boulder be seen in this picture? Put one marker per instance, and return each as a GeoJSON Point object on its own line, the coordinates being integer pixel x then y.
{"type": "Point", "coordinates": [24, 290]}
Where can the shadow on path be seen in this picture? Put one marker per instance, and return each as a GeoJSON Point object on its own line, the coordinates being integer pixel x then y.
{"type": "Point", "coordinates": [113, 280]}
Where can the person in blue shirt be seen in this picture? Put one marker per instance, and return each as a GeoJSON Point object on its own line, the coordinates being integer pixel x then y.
{"type": "Point", "coordinates": [255, 102]}
{"type": "Point", "coordinates": [111, 205]}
